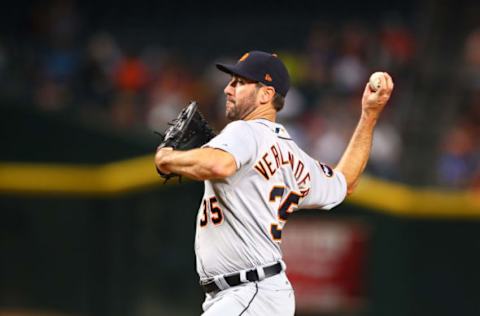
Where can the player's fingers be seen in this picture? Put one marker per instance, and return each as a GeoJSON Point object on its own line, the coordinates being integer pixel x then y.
{"type": "Point", "coordinates": [384, 90]}
{"type": "Point", "coordinates": [369, 92]}
{"type": "Point", "coordinates": [367, 89]}
{"type": "Point", "coordinates": [383, 85]}
{"type": "Point", "coordinates": [389, 81]}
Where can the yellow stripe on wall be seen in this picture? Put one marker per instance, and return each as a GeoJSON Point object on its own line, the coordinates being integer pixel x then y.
{"type": "Point", "coordinates": [403, 200]}
{"type": "Point", "coordinates": [139, 173]}
{"type": "Point", "coordinates": [110, 178]}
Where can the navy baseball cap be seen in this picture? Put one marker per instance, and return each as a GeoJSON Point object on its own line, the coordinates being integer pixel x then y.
{"type": "Point", "coordinates": [261, 67]}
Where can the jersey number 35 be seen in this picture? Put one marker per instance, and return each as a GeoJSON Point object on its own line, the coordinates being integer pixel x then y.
{"type": "Point", "coordinates": [210, 206]}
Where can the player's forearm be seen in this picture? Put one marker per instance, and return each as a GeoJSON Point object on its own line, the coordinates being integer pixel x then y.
{"type": "Point", "coordinates": [354, 159]}
{"type": "Point", "coordinates": [197, 164]}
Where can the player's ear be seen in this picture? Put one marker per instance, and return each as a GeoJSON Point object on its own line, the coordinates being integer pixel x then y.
{"type": "Point", "coordinates": [267, 94]}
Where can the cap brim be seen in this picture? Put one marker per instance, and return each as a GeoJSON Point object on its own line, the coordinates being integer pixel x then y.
{"type": "Point", "coordinates": [225, 68]}
{"type": "Point", "coordinates": [234, 70]}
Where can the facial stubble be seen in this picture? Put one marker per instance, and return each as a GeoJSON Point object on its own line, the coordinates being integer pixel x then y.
{"type": "Point", "coordinates": [242, 107]}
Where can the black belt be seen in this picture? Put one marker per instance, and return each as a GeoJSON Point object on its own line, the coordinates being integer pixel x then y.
{"type": "Point", "coordinates": [234, 279]}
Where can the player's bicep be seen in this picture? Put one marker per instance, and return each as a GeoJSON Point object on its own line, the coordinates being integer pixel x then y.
{"type": "Point", "coordinates": [225, 164]}
{"type": "Point", "coordinates": [328, 188]}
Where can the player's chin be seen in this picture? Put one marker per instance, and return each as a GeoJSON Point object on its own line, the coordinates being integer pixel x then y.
{"type": "Point", "coordinates": [231, 114]}
{"type": "Point", "coordinates": [230, 110]}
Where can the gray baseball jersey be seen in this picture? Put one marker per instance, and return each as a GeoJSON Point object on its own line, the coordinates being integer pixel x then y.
{"type": "Point", "coordinates": [240, 219]}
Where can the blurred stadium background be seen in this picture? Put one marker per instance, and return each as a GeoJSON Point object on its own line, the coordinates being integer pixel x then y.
{"type": "Point", "coordinates": [86, 228]}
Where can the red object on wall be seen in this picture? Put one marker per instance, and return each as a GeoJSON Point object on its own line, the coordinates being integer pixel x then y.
{"type": "Point", "coordinates": [325, 263]}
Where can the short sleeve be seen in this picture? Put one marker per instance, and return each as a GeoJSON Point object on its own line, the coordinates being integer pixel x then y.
{"type": "Point", "coordinates": [328, 188]}
{"type": "Point", "coordinates": [237, 138]}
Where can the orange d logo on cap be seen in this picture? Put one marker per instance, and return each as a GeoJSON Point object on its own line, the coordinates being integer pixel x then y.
{"type": "Point", "coordinates": [245, 56]}
{"type": "Point", "coordinates": [268, 78]}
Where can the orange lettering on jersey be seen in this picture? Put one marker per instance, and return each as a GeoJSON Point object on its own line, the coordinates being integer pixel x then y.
{"type": "Point", "coordinates": [291, 159]}
{"type": "Point", "coordinates": [304, 180]}
{"type": "Point", "coordinates": [261, 169]}
{"type": "Point", "coordinates": [305, 192]}
{"type": "Point", "coordinates": [268, 163]}
{"type": "Point", "coordinates": [299, 169]}
{"type": "Point", "coordinates": [282, 160]}
{"type": "Point", "coordinates": [275, 155]}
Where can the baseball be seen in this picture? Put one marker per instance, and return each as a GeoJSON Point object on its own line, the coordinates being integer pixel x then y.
{"type": "Point", "coordinates": [376, 81]}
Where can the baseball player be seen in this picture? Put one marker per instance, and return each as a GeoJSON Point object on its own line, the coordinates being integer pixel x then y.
{"type": "Point", "coordinates": [255, 177]}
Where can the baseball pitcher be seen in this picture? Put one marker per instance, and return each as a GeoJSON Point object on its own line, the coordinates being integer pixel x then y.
{"type": "Point", "coordinates": [255, 176]}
